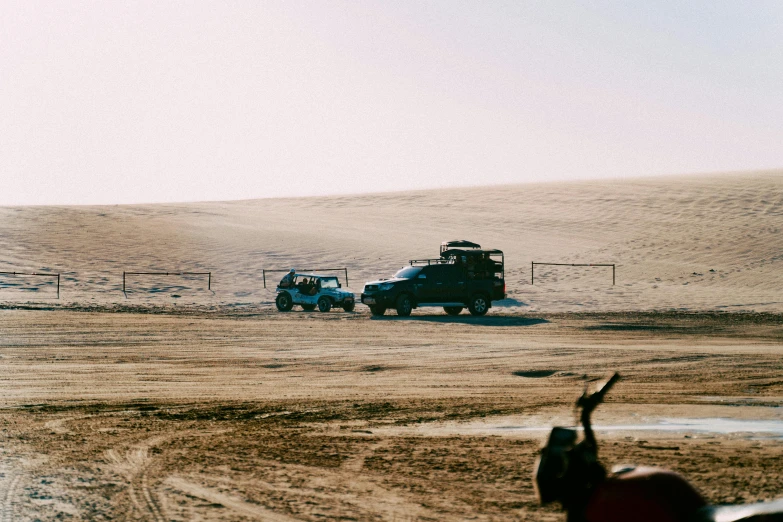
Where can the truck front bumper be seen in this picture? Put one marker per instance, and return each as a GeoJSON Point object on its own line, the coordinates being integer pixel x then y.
{"type": "Point", "coordinates": [376, 299]}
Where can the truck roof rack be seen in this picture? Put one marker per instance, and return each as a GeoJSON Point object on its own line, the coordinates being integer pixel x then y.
{"type": "Point", "coordinates": [436, 261]}
{"type": "Point", "coordinates": [473, 252]}
{"type": "Point", "coordinates": [458, 243]}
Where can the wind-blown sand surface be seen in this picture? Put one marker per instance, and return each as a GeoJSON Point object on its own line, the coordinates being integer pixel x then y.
{"type": "Point", "coordinates": [213, 406]}
{"type": "Point", "coordinates": [701, 243]}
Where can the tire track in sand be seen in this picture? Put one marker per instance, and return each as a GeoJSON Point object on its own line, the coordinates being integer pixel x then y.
{"type": "Point", "coordinates": [355, 464]}
{"type": "Point", "coordinates": [8, 487]}
{"type": "Point", "coordinates": [349, 485]}
{"type": "Point", "coordinates": [236, 504]}
{"type": "Point", "coordinates": [134, 465]}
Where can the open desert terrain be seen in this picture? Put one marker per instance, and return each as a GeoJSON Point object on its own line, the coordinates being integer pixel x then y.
{"type": "Point", "coordinates": [174, 402]}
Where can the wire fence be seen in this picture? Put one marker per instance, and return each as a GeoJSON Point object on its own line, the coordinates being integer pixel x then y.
{"type": "Point", "coordinates": [265, 271]}
{"type": "Point", "coordinates": [34, 274]}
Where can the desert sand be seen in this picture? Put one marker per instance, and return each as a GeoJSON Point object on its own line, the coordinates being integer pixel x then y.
{"type": "Point", "coordinates": [700, 243]}
{"type": "Point", "coordinates": [174, 402]}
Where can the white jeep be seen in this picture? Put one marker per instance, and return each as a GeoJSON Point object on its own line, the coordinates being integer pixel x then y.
{"type": "Point", "coordinates": [311, 290]}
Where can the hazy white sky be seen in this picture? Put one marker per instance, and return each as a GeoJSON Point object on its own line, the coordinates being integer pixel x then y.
{"type": "Point", "coordinates": [124, 102]}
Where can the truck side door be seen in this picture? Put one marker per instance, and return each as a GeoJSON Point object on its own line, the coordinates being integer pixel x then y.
{"type": "Point", "coordinates": [442, 279]}
{"type": "Point", "coordinates": [425, 284]}
{"type": "Point", "coordinates": [452, 284]}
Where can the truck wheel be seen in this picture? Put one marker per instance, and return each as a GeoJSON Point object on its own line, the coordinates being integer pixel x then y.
{"type": "Point", "coordinates": [404, 305]}
{"type": "Point", "coordinates": [349, 306]}
{"type": "Point", "coordinates": [478, 304]}
{"type": "Point", "coordinates": [453, 310]}
{"type": "Point", "coordinates": [284, 302]}
{"type": "Point", "coordinates": [377, 310]}
{"type": "Point", "coordinates": [308, 307]}
{"type": "Point", "coordinates": [324, 304]}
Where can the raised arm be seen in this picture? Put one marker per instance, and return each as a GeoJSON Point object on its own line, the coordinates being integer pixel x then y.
{"type": "Point", "coordinates": [588, 403]}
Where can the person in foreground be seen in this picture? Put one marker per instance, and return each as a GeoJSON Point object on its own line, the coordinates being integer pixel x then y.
{"type": "Point", "coordinates": [570, 473]}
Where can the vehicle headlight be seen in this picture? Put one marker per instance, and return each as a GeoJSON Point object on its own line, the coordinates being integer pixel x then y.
{"type": "Point", "coordinates": [385, 286]}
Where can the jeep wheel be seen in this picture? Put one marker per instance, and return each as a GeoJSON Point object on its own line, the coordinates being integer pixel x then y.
{"type": "Point", "coordinates": [404, 305]}
{"type": "Point", "coordinates": [308, 307]}
{"type": "Point", "coordinates": [377, 310]}
{"type": "Point", "coordinates": [324, 304]}
{"type": "Point", "coordinates": [478, 304]}
{"type": "Point", "coordinates": [284, 302]}
{"type": "Point", "coordinates": [348, 306]}
{"type": "Point", "coordinates": [453, 310]}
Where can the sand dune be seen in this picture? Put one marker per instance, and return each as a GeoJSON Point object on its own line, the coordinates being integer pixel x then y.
{"type": "Point", "coordinates": [692, 243]}
{"type": "Point", "coordinates": [246, 413]}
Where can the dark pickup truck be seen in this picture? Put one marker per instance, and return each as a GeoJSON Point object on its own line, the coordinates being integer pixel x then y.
{"type": "Point", "coordinates": [459, 278]}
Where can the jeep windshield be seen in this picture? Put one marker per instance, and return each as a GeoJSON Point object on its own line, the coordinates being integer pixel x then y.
{"type": "Point", "coordinates": [328, 282]}
{"type": "Point", "coordinates": [409, 272]}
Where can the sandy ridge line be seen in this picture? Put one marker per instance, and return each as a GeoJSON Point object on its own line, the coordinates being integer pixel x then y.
{"type": "Point", "coordinates": [229, 501]}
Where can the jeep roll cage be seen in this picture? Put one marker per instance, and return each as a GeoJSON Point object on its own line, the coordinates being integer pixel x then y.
{"type": "Point", "coordinates": [316, 277]}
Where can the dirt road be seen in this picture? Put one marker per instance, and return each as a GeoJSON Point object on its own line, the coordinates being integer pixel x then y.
{"type": "Point", "coordinates": [255, 415]}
